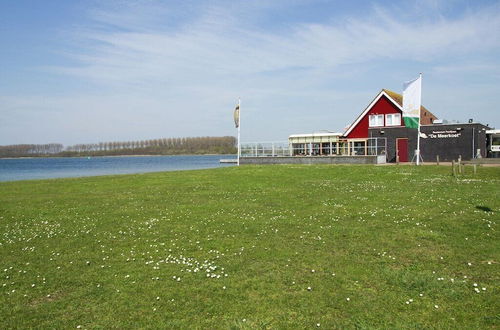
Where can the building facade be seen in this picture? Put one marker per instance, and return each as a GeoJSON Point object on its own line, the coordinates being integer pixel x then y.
{"type": "Point", "coordinates": [380, 130]}
{"type": "Point", "coordinates": [437, 141]}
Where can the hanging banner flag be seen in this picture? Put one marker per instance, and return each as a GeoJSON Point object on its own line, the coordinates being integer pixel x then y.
{"type": "Point", "coordinates": [236, 116]}
{"type": "Point", "coordinates": [412, 99]}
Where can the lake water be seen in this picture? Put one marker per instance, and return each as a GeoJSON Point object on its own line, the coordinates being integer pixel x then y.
{"type": "Point", "coordinates": [45, 168]}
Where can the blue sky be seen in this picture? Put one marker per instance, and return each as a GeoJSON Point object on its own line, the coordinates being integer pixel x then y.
{"type": "Point", "coordinates": [90, 71]}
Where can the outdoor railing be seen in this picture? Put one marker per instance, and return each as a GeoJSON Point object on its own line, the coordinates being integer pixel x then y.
{"type": "Point", "coordinates": [345, 147]}
{"type": "Point", "coordinates": [265, 149]}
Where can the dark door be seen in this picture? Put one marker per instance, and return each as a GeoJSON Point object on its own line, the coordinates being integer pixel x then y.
{"type": "Point", "coordinates": [402, 150]}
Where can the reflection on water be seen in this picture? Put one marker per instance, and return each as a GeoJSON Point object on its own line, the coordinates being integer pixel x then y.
{"type": "Point", "coordinates": [44, 168]}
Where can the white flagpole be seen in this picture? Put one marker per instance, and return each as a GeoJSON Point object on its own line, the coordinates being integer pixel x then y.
{"type": "Point", "coordinates": [239, 125]}
{"type": "Point", "coordinates": [419, 117]}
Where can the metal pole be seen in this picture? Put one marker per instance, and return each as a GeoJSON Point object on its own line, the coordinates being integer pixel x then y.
{"type": "Point", "coordinates": [239, 125]}
{"type": "Point", "coordinates": [418, 132]}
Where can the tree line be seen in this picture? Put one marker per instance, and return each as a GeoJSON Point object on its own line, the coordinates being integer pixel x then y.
{"type": "Point", "coordinates": [164, 146]}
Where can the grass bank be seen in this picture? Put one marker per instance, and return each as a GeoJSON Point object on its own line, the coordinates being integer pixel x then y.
{"type": "Point", "coordinates": [254, 246]}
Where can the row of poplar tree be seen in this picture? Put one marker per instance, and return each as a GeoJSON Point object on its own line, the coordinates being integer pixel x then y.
{"type": "Point", "coordinates": [165, 146]}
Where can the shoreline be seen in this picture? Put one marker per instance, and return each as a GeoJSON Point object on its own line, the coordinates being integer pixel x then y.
{"type": "Point", "coordinates": [109, 156]}
{"type": "Point", "coordinates": [74, 167]}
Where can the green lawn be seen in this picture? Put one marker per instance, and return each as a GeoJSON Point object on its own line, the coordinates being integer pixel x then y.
{"type": "Point", "coordinates": [253, 247]}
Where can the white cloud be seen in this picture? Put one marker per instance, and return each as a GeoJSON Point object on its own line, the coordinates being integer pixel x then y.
{"type": "Point", "coordinates": [187, 65]}
{"type": "Point", "coordinates": [216, 45]}
{"type": "Point", "coordinates": [475, 68]}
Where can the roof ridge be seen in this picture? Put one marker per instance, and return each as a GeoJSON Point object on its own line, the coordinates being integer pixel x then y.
{"type": "Point", "coordinates": [398, 98]}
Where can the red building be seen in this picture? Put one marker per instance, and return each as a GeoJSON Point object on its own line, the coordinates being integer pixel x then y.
{"type": "Point", "coordinates": [380, 131]}
{"type": "Point", "coordinates": [386, 110]}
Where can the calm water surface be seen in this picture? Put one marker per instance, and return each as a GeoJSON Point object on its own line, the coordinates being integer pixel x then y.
{"type": "Point", "coordinates": [45, 168]}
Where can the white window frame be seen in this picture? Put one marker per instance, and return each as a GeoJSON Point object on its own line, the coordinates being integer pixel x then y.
{"type": "Point", "coordinates": [376, 121]}
{"type": "Point", "coordinates": [394, 121]}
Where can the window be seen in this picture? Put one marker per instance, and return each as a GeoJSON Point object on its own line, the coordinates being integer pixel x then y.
{"type": "Point", "coordinates": [393, 119]}
{"type": "Point", "coordinates": [376, 120]}
{"type": "Point", "coordinates": [358, 148]}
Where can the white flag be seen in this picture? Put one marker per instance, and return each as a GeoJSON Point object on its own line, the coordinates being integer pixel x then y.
{"type": "Point", "coordinates": [412, 98]}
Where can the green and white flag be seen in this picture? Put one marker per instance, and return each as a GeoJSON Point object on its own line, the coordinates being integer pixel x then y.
{"type": "Point", "coordinates": [412, 98]}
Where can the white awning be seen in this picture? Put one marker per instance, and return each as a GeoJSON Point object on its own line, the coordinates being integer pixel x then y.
{"type": "Point", "coordinates": [314, 135]}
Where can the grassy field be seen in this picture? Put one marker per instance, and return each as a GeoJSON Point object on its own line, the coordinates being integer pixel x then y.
{"type": "Point", "coordinates": [253, 247]}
